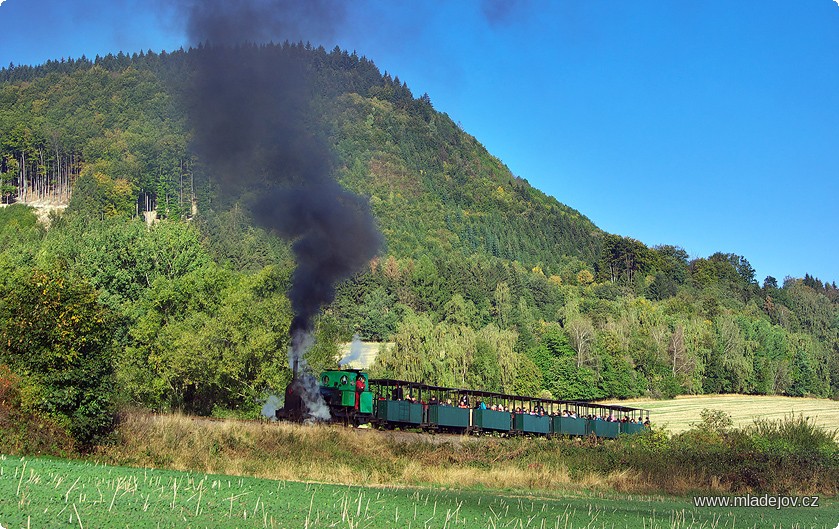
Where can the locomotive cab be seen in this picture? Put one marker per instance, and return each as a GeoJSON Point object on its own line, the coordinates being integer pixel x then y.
{"type": "Point", "coordinates": [347, 393]}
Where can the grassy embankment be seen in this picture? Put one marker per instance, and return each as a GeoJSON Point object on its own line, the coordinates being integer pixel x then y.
{"type": "Point", "coordinates": [791, 456]}
{"type": "Point", "coordinates": [335, 454]}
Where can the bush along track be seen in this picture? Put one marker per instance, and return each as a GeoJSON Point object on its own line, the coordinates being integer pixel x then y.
{"type": "Point", "coordinates": [790, 456]}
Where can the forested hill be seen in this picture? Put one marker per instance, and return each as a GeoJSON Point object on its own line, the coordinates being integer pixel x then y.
{"type": "Point", "coordinates": [484, 280]}
{"type": "Point", "coordinates": [434, 187]}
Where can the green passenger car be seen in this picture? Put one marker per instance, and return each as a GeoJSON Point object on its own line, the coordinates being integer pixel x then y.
{"type": "Point", "coordinates": [632, 427]}
{"type": "Point", "coordinates": [605, 428]}
{"type": "Point", "coordinates": [569, 426]}
{"type": "Point", "coordinates": [448, 416]}
{"type": "Point", "coordinates": [399, 411]}
{"type": "Point", "coordinates": [492, 420]}
{"type": "Point", "coordinates": [527, 423]}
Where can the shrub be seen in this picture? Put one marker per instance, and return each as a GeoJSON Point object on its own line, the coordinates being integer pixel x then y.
{"type": "Point", "coordinates": [22, 430]}
{"type": "Point", "coordinates": [59, 337]}
{"type": "Point", "coordinates": [793, 434]}
{"type": "Point", "coordinates": [715, 421]}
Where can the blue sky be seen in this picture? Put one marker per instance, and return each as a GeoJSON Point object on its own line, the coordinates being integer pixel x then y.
{"type": "Point", "coordinates": [709, 125]}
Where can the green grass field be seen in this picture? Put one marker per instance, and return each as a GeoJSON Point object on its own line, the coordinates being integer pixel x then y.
{"type": "Point", "coordinates": [678, 414]}
{"type": "Point", "coordinates": [61, 493]}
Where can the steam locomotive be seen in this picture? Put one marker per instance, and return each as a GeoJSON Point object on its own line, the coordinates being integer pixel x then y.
{"type": "Point", "coordinates": [352, 398]}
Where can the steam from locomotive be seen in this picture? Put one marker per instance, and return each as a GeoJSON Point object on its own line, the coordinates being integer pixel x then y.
{"type": "Point", "coordinates": [254, 130]}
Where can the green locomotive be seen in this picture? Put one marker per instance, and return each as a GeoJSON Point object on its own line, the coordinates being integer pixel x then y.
{"type": "Point", "coordinates": [345, 392]}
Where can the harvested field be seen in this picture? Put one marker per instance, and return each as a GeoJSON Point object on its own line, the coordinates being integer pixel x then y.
{"type": "Point", "coordinates": [678, 414]}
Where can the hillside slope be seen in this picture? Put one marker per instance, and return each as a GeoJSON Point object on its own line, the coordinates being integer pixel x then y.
{"type": "Point", "coordinates": [484, 281]}
{"type": "Point", "coordinates": [433, 186]}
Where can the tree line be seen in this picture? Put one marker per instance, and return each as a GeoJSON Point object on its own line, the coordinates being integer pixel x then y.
{"type": "Point", "coordinates": [485, 282]}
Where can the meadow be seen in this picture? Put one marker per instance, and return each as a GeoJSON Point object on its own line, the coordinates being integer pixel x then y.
{"type": "Point", "coordinates": [39, 492]}
{"type": "Point", "coordinates": [679, 414]}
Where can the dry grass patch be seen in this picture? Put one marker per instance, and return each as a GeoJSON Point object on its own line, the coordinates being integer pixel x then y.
{"type": "Point", "coordinates": [332, 454]}
{"type": "Point", "coordinates": [506, 476]}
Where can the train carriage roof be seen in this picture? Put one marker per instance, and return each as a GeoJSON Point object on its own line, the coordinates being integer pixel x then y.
{"type": "Point", "coordinates": [390, 382]}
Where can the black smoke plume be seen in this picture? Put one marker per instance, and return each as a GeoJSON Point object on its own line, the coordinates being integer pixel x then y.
{"type": "Point", "coordinates": [251, 114]}
{"type": "Point", "coordinates": [232, 22]}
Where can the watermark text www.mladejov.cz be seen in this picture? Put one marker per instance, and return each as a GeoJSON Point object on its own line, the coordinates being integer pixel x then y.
{"type": "Point", "coordinates": [771, 501]}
